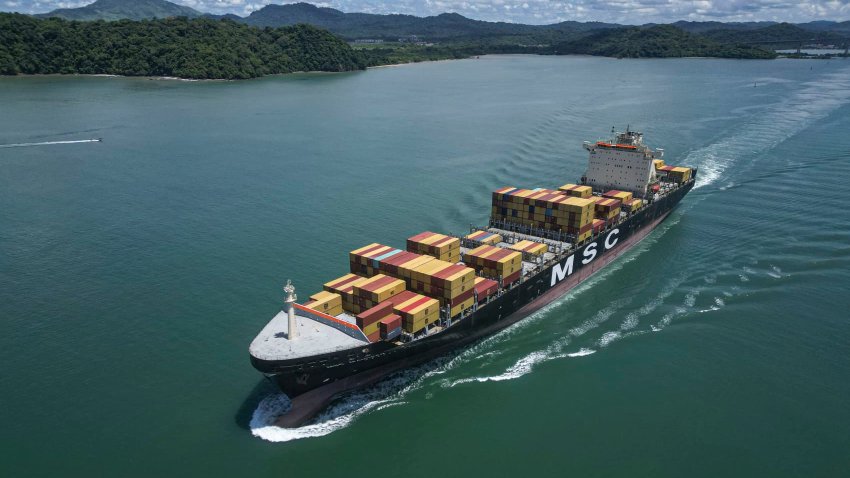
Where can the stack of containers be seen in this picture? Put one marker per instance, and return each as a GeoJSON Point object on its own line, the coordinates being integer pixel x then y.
{"type": "Point", "coordinates": [326, 303]}
{"type": "Point", "coordinates": [390, 266]}
{"type": "Point", "coordinates": [530, 247]}
{"type": "Point", "coordinates": [485, 237]}
{"type": "Point", "coordinates": [576, 190]}
{"type": "Point", "coordinates": [484, 288]}
{"type": "Point", "coordinates": [658, 163]}
{"type": "Point", "coordinates": [344, 286]}
{"type": "Point", "coordinates": [621, 196]}
{"type": "Point", "coordinates": [390, 327]}
{"type": "Point", "coordinates": [369, 320]}
{"type": "Point", "coordinates": [451, 284]}
{"type": "Point", "coordinates": [664, 171]}
{"type": "Point", "coordinates": [439, 246]}
{"type": "Point", "coordinates": [546, 209]}
{"type": "Point", "coordinates": [377, 289]}
{"type": "Point", "coordinates": [607, 209]}
{"type": "Point", "coordinates": [632, 205]}
{"type": "Point", "coordinates": [679, 174]}
{"type": "Point", "coordinates": [416, 310]}
{"type": "Point", "coordinates": [366, 260]}
{"type": "Point", "coordinates": [495, 262]}
{"type": "Point", "coordinates": [598, 225]}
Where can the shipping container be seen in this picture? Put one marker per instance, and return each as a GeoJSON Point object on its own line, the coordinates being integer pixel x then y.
{"type": "Point", "coordinates": [598, 225]}
{"type": "Point", "coordinates": [484, 237]}
{"type": "Point", "coordinates": [576, 190]}
{"type": "Point", "coordinates": [459, 306]}
{"type": "Point", "coordinates": [529, 247]}
{"type": "Point", "coordinates": [374, 336]}
{"type": "Point", "coordinates": [658, 163]}
{"type": "Point", "coordinates": [494, 261]}
{"type": "Point", "coordinates": [632, 205]}
{"type": "Point", "coordinates": [378, 289]}
{"type": "Point", "coordinates": [369, 320]}
{"type": "Point", "coordinates": [325, 302]}
{"type": "Point", "coordinates": [344, 286]}
{"type": "Point", "coordinates": [415, 309]}
{"type": "Point", "coordinates": [436, 245]}
{"type": "Point", "coordinates": [366, 260]}
{"type": "Point", "coordinates": [390, 323]}
{"type": "Point", "coordinates": [679, 174]}
{"type": "Point", "coordinates": [621, 196]}
{"type": "Point", "coordinates": [485, 288]}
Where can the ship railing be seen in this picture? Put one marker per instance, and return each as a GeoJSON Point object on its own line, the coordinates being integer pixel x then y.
{"type": "Point", "coordinates": [331, 321]}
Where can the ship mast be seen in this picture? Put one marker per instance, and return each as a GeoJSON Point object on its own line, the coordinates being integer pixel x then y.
{"type": "Point", "coordinates": [289, 289]}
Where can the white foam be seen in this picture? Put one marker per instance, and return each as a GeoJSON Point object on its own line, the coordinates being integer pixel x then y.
{"type": "Point", "coordinates": [582, 352]}
{"type": "Point", "coordinates": [769, 128]}
{"type": "Point", "coordinates": [385, 394]}
{"type": "Point", "coordinates": [520, 368]}
{"type": "Point", "coordinates": [45, 143]}
{"type": "Point", "coordinates": [608, 337]}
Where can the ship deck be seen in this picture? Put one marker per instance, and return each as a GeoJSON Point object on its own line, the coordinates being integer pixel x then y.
{"type": "Point", "coordinates": [314, 338]}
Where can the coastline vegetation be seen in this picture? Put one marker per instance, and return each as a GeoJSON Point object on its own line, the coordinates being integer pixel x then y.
{"type": "Point", "coordinates": [180, 47]}
{"type": "Point", "coordinates": [205, 48]}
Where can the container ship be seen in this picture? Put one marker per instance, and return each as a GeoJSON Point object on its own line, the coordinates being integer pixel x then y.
{"type": "Point", "coordinates": [397, 308]}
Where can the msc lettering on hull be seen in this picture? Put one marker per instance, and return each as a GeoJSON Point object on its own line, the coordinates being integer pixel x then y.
{"type": "Point", "coordinates": [589, 253]}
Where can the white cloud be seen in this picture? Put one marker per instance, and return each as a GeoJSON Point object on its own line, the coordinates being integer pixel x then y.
{"type": "Point", "coordinates": [534, 11]}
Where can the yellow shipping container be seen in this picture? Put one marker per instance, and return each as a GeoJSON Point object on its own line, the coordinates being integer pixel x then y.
{"type": "Point", "coordinates": [461, 306]}
{"type": "Point", "coordinates": [659, 163]}
{"type": "Point", "coordinates": [530, 247]}
{"type": "Point", "coordinates": [379, 288]}
{"type": "Point", "coordinates": [576, 190]}
{"type": "Point", "coordinates": [680, 174]}
{"type": "Point", "coordinates": [407, 269]}
{"type": "Point", "coordinates": [326, 302]}
{"type": "Point", "coordinates": [622, 196]}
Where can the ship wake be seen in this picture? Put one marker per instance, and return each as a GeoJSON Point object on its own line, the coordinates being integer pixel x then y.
{"type": "Point", "coordinates": [814, 101]}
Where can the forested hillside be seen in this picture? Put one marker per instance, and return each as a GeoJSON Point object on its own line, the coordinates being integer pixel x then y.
{"type": "Point", "coordinates": [198, 48]}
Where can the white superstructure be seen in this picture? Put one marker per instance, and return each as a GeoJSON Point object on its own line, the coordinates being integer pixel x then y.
{"type": "Point", "coordinates": [624, 163]}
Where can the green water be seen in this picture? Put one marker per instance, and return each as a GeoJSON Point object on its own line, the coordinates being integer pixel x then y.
{"type": "Point", "coordinates": [134, 272]}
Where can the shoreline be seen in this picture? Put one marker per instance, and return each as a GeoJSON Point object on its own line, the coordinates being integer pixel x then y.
{"type": "Point", "coordinates": [391, 65]}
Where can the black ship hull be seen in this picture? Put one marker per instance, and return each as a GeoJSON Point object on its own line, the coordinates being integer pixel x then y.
{"type": "Point", "coordinates": [348, 369]}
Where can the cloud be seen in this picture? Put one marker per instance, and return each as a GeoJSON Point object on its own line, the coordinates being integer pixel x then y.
{"type": "Point", "coordinates": [533, 11]}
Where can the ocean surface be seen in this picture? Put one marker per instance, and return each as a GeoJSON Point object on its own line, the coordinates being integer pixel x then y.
{"type": "Point", "coordinates": [134, 272]}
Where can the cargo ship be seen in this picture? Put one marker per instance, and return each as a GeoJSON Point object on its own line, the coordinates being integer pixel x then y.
{"type": "Point", "coordinates": [398, 308]}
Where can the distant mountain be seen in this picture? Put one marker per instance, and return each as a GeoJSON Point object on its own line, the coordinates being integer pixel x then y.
{"type": "Point", "coordinates": [661, 41]}
{"type": "Point", "coordinates": [702, 27]}
{"type": "Point", "coordinates": [365, 25]}
{"type": "Point", "coordinates": [841, 28]}
{"type": "Point", "coordinates": [775, 35]}
{"type": "Point", "coordinates": [124, 9]}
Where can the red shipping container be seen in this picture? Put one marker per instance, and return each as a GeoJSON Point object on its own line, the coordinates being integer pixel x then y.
{"type": "Point", "coordinates": [511, 278]}
{"type": "Point", "coordinates": [389, 324]}
{"type": "Point", "coordinates": [374, 314]}
{"type": "Point", "coordinates": [374, 336]}
{"type": "Point", "coordinates": [486, 288]}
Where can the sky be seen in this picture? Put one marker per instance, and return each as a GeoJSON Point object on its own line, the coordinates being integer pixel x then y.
{"type": "Point", "coordinates": [533, 11]}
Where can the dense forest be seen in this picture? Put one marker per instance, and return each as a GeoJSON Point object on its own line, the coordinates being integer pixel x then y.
{"type": "Point", "coordinates": [662, 41]}
{"type": "Point", "coordinates": [198, 48]}
{"type": "Point", "coordinates": [206, 48]}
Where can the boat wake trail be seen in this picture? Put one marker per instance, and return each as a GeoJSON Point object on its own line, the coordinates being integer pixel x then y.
{"type": "Point", "coordinates": [45, 143]}
{"type": "Point", "coordinates": [814, 101]}
{"type": "Point", "coordinates": [387, 393]}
